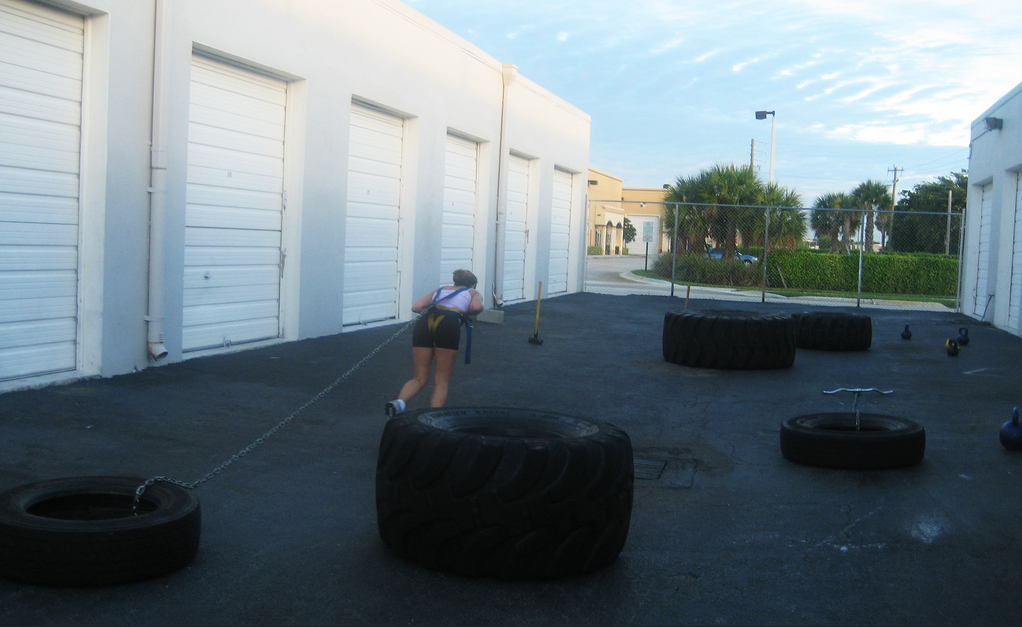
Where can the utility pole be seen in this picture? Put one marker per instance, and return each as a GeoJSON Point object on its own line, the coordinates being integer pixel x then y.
{"type": "Point", "coordinates": [752, 156]}
{"type": "Point", "coordinates": [894, 201]}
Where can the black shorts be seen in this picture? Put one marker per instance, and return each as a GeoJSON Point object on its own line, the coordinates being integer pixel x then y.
{"type": "Point", "coordinates": [437, 330]}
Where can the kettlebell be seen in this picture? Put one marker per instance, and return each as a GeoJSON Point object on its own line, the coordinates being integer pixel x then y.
{"type": "Point", "coordinates": [1011, 433]}
{"type": "Point", "coordinates": [906, 334]}
{"type": "Point", "coordinates": [952, 348]}
{"type": "Point", "coordinates": [963, 337]}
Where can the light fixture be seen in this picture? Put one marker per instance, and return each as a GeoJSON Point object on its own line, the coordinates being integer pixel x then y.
{"type": "Point", "coordinates": [994, 124]}
{"type": "Point", "coordinates": [761, 115]}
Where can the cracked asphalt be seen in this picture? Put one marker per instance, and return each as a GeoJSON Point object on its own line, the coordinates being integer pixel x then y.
{"type": "Point", "coordinates": [724, 530]}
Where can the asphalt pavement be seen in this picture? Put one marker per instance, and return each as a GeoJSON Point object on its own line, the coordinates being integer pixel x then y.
{"type": "Point", "coordinates": [724, 529]}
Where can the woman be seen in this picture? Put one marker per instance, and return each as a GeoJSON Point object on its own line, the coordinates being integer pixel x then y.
{"type": "Point", "coordinates": [436, 335]}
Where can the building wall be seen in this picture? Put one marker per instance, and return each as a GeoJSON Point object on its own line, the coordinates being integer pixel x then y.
{"type": "Point", "coordinates": [995, 164]}
{"type": "Point", "coordinates": [605, 207]}
{"type": "Point", "coordinates": [330, 54]}
{"type": "Point", "coordinates": [646, 205]}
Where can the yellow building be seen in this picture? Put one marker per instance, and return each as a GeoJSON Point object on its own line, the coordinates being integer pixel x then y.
{"type": "Point", "coordinates": [610, 202]}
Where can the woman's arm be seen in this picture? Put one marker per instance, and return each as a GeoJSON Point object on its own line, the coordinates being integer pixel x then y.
{"type": "Point", "coordinates": [476, 305]}
{"type": "Point", "coordinates": [420, 305]}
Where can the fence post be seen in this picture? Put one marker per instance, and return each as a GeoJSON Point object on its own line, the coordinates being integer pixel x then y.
{"type": "Point", "coordinates": [766, 257]}
{"type": "Point", "coordinates": [674, 248]}
{"type": "Point", "coordinates": [862, 246]}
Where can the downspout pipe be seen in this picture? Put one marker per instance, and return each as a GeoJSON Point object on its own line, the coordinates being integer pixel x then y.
{"type": "Point", "coordinates": [158, 189]}
{"type": "Point", "coordinates": [508, 73]}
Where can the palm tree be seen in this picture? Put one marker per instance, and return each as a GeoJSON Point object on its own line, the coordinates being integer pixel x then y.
{"type": "Point", "coordinates": [838, 225]}
{"type": "Point", "coordinates": [871, 196]}
{"type": "Point", "coordinates": [787, 226]}
{"type": "Point", "coordinates": [692, 224]}
{"type": "Point", "coordinates": [731, 185]}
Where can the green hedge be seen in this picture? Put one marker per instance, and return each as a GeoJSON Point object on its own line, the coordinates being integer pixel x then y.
{"type": "Point", "coordinates": [883, 273]}
{"type": "Point", "coordinates": [807, 269]}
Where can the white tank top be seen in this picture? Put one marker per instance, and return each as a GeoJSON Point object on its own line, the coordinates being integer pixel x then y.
{"type": "Point", "coordinates": [460, 301]}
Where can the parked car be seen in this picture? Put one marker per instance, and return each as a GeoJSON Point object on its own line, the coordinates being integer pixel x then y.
{"type": "Point", "coordinates": [716, 253]}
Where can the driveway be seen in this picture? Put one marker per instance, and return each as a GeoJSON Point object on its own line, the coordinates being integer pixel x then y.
{"type": "Point", "coordinates": [724, 530]}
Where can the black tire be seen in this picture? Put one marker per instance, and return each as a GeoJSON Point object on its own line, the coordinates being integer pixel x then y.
{"type": "Point", "coordinates": [729, 340]}
{"type": "Point", "coordinates": [831, 440]}
{"type": "Point", "coordinates": [82, 532]}
{"type": "Point", "coordinates": [832, 331]}
{"type": "Point", "coordinates": [504, 493]}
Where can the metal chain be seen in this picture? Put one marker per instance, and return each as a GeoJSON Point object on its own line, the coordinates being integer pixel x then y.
{"type": "Point", "coordinates": [315, 399]}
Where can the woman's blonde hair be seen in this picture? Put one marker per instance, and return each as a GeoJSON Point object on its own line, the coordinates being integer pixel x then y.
{"type": "Point", "coordinates": [464, 278]}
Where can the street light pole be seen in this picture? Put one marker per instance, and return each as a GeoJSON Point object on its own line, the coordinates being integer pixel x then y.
{"type": "Point", "coordinates": [761, 115]}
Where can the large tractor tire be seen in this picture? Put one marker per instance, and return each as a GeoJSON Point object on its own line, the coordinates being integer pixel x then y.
{"type": "Point", "coordinates": [84, 531]}
{"type": "Point", "coordinates": [834, 331]}
{"type": "Point", "coordinates": [842, 440]}
{"type": "Point", "coordinates": [729, 340]}
{"type": "Point", "coordinates": [504, 493]}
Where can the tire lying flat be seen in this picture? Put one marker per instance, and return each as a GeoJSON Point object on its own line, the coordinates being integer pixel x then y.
{"type": "Point", "coordinates": [834, 331]}
{"type": "Point", "coordinates": [729, 340]}
{"type": "Point", "coordinates": [831, 440]}
{"type": "Point", "coordinates": [81, 531]}
{"type": "Point", "coordinates": [504, 493]}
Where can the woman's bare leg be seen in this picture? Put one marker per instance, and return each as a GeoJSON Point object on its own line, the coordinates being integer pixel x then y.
{"type": "Point", "coordinates": [421, 360]}
{"type": "Point", "coordinates": [445, 359]}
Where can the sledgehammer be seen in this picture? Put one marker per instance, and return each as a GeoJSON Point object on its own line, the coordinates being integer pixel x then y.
{"type": "Point", "coordinates": [535, 336]}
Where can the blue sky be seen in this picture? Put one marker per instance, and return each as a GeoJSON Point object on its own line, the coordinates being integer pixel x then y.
{"type": "Point", "coordinates": [859, 87]}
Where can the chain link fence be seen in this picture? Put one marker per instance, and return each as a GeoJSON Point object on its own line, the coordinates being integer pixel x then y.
{"type": "Point", "coordinates": [820, 257]}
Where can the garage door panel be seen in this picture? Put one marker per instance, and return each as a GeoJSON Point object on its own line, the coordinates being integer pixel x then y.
{"type": "Point", "coordinates": [25, 49]}
{"type": "Point", "coordinates": [229, 218]}
{"type": "Point", "coordinates": [264, 169]}
{"type": "Point", "coordinates": [254, 204]}
{"type": "Point", "coordinates": [21, 181]}
{"type": "Point", "coordinates": [231, 294]}
{"type": "Point", "coordinates": [39, 209]}
{"type": "Point", "coordinates": [41, 63]}
{"type": "Point", "coordinates": [21, 258]}
{"type": "Point", "coordinates": [42, 23]}
{"type": "Point", "coordinates": [373, 209]}
{"type": "Point", "coordinates": [232, 312]}
{"type": "Point", "coordinates": [32, 309]}
{"type": "Point", "coordinates": [202, 278]}
{"type": "Point", "coordinates": [234, 206]}
{"type": "Point", "coordinates": [209, 136]}
{"type": "Point", "coordinates": [31, 235]}
{"type": "Point", "coordinates": [220, 256]}
{"type": "Point", "coordinates": [55, 284]}
{"type": "Point", "coordinates": [36, 332]}
{"type": "Point", "coordinates": [27, 361]}
{"type": "Point", "coordinates": [371, 233]}
{"type": "Point", "coordinates": [369, 290]}
{"type": "Point", "coordinates": [225, 334]}
{"type": "Point", "coordinates": [371, 174]}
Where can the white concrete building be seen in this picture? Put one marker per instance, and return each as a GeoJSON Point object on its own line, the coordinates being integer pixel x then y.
{"type": "Point", "coordinates": [184, 177]}
{"type": "Point", "coordinates": [992, 272]}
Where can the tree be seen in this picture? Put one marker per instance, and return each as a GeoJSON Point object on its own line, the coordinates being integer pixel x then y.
{"type": "Point", "coordinates": [731, 185]}
{"type": "Point", "coordinates": [928, 233]}
{"type": "Point", "coordinates": [787, 226]}
{"type": "Point", "coordinates": [629, 231]}
{"type": "Point", "coordinates": [871, 196]}
{"type": "Point", "coordinates": [829, 218]}
{"type": "Point", "coordinates": [692, 225]}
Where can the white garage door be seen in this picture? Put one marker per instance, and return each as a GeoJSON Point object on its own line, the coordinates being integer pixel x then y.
{"type": "Point", "coordinates": [371, 226]}
{"type": "Point", "coordinates": [983, 266]}
{"type": "Point", "coordinates": [1015, 301]}
{"type": "Point", "coordinates": [41, 60]}
{"type": "Point", "coordinates": [233, 259]}
{"type": "Point", "coordinates": [458, 229]}
{"type": "Point", "coordinates": [516, 232]}
{"type": "Point", "coordinates": [560, 232]}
